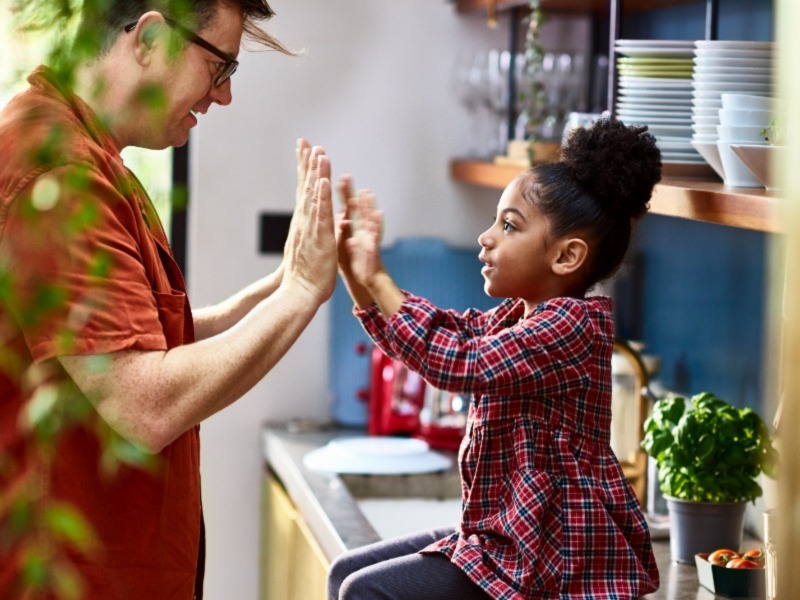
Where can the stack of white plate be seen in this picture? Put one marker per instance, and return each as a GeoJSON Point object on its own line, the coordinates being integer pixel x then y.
{"type": "Point", "coordinates": [725, 67]}
{"type": "Point", "coordinates": [655, 89]}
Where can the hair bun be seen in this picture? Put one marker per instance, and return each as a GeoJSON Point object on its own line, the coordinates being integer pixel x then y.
{"type": "Point", "coordinates": [617, 165]}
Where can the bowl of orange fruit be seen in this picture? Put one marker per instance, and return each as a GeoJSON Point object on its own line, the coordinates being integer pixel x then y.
{"type": "Point", "coordinates": [730, 573]}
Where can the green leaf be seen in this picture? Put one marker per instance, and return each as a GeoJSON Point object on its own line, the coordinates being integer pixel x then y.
{"type": "Point", "coordinates": [68, 525]}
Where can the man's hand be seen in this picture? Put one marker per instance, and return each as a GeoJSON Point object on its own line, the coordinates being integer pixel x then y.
{"type": "Point", "coordinates": [310, 251]}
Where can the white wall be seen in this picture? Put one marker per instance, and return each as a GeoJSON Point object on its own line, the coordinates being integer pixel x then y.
{"type": "Point", "coordinates": [374, 90]}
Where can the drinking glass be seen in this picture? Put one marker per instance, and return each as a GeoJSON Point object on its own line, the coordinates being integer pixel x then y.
{"type": "Point", "coordinates": [772, 522]}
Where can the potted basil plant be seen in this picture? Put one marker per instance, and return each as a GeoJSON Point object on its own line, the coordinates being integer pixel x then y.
{"type": "Point", "coordinates": [709, 456]}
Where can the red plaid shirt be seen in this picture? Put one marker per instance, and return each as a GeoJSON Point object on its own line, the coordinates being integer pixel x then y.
{"type": "Point", "coordinates": [547, 512]}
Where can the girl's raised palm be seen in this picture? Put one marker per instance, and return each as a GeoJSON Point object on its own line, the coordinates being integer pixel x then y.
{"type": "Point", "coordinates": [363, 245]}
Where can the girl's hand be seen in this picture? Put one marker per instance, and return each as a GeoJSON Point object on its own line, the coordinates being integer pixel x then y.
{"type": "Point", "coordinates": [344, 222]}
{"type": "Point", "coordinates": [363, 246]}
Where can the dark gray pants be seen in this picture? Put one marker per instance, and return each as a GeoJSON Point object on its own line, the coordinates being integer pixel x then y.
{"type": "Point", "coordinates": [393, 570]}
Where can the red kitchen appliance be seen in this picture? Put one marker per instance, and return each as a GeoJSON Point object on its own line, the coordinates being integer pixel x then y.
{"type": "Point", "coordinates": [401, 403]}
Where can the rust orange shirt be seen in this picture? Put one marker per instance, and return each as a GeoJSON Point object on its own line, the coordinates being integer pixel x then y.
{"type": "Point", "coordinates": [85, 269]}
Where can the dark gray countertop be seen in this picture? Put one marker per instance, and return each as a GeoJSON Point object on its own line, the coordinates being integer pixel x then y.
{"type": "Point", "coordinates": [327, 503]}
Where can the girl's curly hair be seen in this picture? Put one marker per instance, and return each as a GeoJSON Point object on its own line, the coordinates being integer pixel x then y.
{"type": "Point", "coordinates": [599, 187]}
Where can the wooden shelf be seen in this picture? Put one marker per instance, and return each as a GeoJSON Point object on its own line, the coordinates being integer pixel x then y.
{"type": "Point", "coordinates": [568, 6]}
{"type": "Point", "coordinates": [696, 199]}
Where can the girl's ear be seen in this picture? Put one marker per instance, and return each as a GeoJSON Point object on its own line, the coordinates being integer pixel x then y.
{"type": "Point", "coordinates": [570, 257]}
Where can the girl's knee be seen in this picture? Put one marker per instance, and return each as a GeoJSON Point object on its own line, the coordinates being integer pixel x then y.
{"type": "Point", "coordinates": [338, 571]}
{"type": "Point", "coordinates": [357, 586]}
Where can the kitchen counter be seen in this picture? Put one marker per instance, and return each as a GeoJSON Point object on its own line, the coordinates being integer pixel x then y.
{"type": "Point", "coordinates": [328, 505]}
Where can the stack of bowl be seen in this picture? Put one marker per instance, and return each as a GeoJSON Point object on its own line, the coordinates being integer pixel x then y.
{"type": "Point", "coordinates": [726, 68]}
{"type": "Point", "coordinates": [743, 119]}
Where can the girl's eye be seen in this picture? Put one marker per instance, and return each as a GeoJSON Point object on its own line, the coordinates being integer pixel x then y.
{"type": "Point", "coordinates": [508, 226]}
{"type": "Point", "coordinates": [218, 66]}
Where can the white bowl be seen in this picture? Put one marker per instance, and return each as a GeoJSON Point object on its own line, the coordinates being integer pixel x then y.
{"type": "Point", "coordinates": [747, 102]}
{"type": "Point", "coordinates": [736, 173]}
{"type": "Point", "coordinates": [746, 134]}
{"type": "Point", "coordinates": [758, 159]}
{"type": "Point", "coordinates": [742, 117]}
{"type": "Point", "coordinates": [710, 152]}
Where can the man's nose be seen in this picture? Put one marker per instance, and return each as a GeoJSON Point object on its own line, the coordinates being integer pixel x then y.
{"type": "Point", "coordinates": [221, 94]}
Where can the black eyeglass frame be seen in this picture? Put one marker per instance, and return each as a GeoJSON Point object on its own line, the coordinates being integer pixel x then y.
{"type": "Point", "coordinates": [228, 68]}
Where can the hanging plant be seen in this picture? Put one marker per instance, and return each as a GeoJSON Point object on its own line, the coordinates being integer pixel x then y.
{"type": "Point", "coordinates": [533, 97]}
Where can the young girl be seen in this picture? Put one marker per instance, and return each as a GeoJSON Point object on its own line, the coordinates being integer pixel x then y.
{"type": "Point", "coordinates": [546, 510]}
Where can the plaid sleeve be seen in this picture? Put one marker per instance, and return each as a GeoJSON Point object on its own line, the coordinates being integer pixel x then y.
{"type": "Point", "coordinates": [469, 324]}
{"type": "Point", "coordinates": [546, 352]}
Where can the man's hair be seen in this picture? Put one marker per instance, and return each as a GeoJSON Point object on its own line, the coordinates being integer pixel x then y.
{"type": "Point", "coordinates": [103, 20]}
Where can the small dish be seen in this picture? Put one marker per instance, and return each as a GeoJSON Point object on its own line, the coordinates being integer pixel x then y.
{"type": "Point", "coordinates": [736, 173]}
{"type": "Point", "coordinates": [758, 158]}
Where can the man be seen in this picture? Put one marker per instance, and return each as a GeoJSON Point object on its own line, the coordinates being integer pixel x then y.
{"type": "Point", "coordinates": [93, 307]}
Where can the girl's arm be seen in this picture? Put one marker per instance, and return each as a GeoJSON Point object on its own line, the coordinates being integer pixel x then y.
{"type": "Point", "coordinates": [547, 353]}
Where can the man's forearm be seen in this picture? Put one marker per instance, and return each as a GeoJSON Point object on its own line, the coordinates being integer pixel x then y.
{"type": "Point", "coordinates": [213, 320]}
{"type": "Point", "coordinates": [151, 398]}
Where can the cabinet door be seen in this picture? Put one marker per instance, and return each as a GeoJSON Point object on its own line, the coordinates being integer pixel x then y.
{"type": "Point", "coordinates": [310, 569]}
{"type": "Point", "coordinates": [278, 517]}
{"type": "Point", "coordinates": [293, 566]}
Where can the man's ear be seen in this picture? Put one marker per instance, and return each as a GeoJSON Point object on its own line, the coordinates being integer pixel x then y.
{"type": "Point", "coordinates": [151, 25]}
{"type": "Point", "coordinates": [572, 253]}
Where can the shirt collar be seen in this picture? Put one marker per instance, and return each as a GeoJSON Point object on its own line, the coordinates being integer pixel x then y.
{"type": "Point", "coordinates": [46, 81]}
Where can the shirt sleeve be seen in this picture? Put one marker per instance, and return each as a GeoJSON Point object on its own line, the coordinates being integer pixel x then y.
{"type": "Point", "coordinates": [71, 245]}
{"type": "Point", "coordinates": [468, 324]}
{"type": "Point", "coordinates": [545, 353]}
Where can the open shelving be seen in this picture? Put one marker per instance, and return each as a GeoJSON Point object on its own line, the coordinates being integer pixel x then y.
{"type": "Point", "coordinates": [696, 199]}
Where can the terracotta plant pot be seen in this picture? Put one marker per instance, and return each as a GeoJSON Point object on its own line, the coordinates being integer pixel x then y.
{"type": "Point", "coordinates": [697, 527]}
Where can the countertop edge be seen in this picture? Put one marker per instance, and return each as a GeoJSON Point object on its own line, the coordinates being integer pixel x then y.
{"type": "Point", "coordinates": [320, 498]}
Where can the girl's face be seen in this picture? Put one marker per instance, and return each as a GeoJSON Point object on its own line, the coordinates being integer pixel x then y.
{"type": "Point", "coordinates": [518, 253]}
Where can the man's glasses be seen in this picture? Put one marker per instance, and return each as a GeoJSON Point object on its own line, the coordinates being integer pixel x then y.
{"type": "Point", "coordinates": [224, 70]}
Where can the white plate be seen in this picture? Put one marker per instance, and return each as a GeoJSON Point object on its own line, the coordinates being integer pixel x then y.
{"type": "Point", "coordinates": [715, 102]}
{"type": "Point", "coordinates": [682, 106]}
{"type": "Point", "coordinates": [655, 82]}
{"type": "Point", "coordinates": [749, 54]}
{"type": "Point", "coordinates": [732, 70]}
{"type": "Point", "coordinates": [724, 61]}
{"type": "Point", "coordinates": [650, 42]}
{"type": "Point", "coordinates": [734, 45]}
{"type": "Point", "coordinates": [674, 155]}
{"type": "Point", "coordinates": [654, 122]}
{"type": "Point", "coordinates": [670, 130]}
{"type": "Point", "coordinates": [723, 86]}
{"type": "Point", "coordinates": [710, 111]}
{"type": "Point", "coordinates": [649, 114]}
{"type": "Point", "coordinates": [739, 78]}
{"type": "Point", "coordinates": [684, 146]}
{"type": "Point", "coordinates": [376, 455]}
{"type": "Point", "coordinates": [706, 120]}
